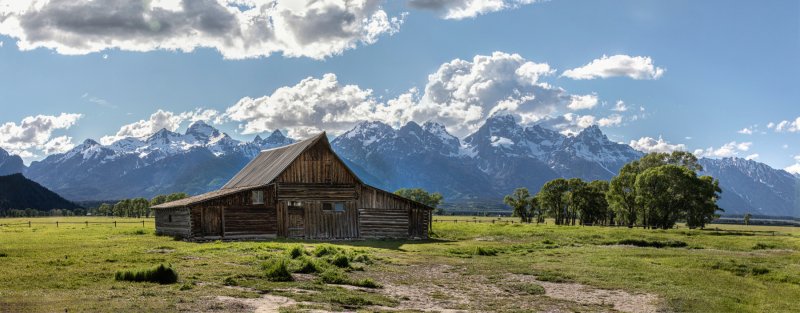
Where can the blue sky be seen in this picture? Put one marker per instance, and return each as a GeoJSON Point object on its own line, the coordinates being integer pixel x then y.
{"type": "Point", "coordinates": [727, 66]}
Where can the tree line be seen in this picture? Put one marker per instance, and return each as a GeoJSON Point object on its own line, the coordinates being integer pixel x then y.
{"type": "Point", "coordinates": [136, 207]}
{"type": "Point", "coordinates": [655, 191]}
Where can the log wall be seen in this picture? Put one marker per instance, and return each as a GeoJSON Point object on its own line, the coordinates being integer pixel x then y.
{"type": "Point", "coordinates": [386, 215]}
{"type": "Point", "coordinates": [236, 215]}
{"type": "Point", "coordinates": [179, 226]}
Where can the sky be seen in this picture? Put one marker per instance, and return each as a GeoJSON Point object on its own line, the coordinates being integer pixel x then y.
{"type": "Point", "coordinates": [717, 78]}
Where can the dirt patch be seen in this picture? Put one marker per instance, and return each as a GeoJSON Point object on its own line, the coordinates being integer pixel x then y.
{"type": "Point", "coordinates": [264, 304]}
{"type": "Point", "coordinates": [619, 300]}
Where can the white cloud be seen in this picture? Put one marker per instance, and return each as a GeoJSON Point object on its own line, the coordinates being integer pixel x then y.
{"type": "Point", "coordinates": [746, 131]}
{"type": "Point", "coordinates": [236, 28]}
{"type": "Point", "coordinates": [794, 168]}
{"type": "Point", "coordinates": [649, 144]}
{"type": "Point", "coordinates": [58, 145]}
{"type": "Point", "coordinates": [611, 120]}
{"type": "Point", "coordinates": [161, 120]}
{"type": "Point", "coordinates": [461, 9]}
{"type": "Point", "coordinates": [620, 106]}
{"type": "Point", "coordinates": [636, 67]}
{"type": "Point", "coordinates": [34, 133]}
{"type": "Point", "coordinates": [730, 149]}
{"type": "Point", "coordinates": [792, 126]}
{"type": "Point", "coordinates": [582, 102]}
{"type": "Point", "coordinates": [752, 156]}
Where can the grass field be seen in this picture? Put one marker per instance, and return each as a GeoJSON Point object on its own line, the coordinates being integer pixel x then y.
{"type": "Point", "coordinates": [467, 266]}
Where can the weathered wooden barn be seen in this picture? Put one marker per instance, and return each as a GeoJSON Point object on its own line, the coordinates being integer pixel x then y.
{"type": "Point", "coordinates": [302, 190]}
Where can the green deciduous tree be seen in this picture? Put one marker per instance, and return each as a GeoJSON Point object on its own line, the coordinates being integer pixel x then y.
{"type": "Point", "coordinates": [520, 201]}
{"type": "Point", "coordinates": [552, 198]}
{"type": "Point", "coordinates": [420, 195]}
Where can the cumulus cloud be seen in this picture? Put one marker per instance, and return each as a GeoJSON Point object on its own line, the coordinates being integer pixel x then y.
{"type": "Point", "coordinates": [582, 102]}
{"type": "Point", "coordinates": [461, 9]}
{"type": "Point", "coordinates": [730, 149]}
{"type": "Point", "coordinates": [636, 67]}
{"type": "Point", "coordinates": [236, 28]}
{"type": "Point", "coordinates": [649, 145]}
{"type": "Point", "coordinates": [461, 94]}
{"type": "Point", "coordinates": [161, 120]}
{"type": "Point", "coordinates": [746, 131]}
{"type": "Point", "coordinates": [35, 132]}
{"type": "Point", "coordinates": [791, 126]}
{"type": "Point", "coordinates": [752, 156]}
{"type": "Point", "coordinates": [611, 120]}
{"type": "Point", "coordinates": [59, 144]}
{"type": "Point", "coordinates": [308, 107]}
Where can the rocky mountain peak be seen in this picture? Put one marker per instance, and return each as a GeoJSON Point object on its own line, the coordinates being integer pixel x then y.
{"type": "Point", "coordinates": [202, 131]}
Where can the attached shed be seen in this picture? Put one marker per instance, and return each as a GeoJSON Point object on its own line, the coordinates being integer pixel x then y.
{"type": "Point", "coordinates": [302, 190]}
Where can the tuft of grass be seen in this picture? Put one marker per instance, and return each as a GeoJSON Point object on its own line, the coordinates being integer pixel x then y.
{"type": "Point", "coordinates": [527, 288]}
{"type": "Point", "coordinates": [338, 277]}
{"type": "Point", "coordinates": [553, 277]}
{"type": "Point", "coordinates": [325, 249]}
{"type": "Point", "coordinates": [3, 254]}
{"type": "Point", "coordinates": [485, 251]}
{"type": "Point", "coordinates": [740, 269]}
{"type": "Point", "coordinates": [230, 281]}
{"type": "Point", "coordinates": [308, 266]}
{"type": "Point", "coordinates": [763, 246]}
{"type": "Point", "coordinates": [277, 271]}
{"type": "Point", "coordinates": [340, 260]}
{"type": "Point", "coordinates": [161, 274]}
{"type": "Point", "coordinates": [296, 252]}
{"type": "Point", "coordinates": [653, 243]}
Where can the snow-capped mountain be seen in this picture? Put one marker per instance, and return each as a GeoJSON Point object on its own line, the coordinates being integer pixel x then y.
{"type": "Point", "coordinates": [480, 169]}
{"type": "Point", "coordinates": [201, 159]}
{"type": "Point", "coordinates": [10, 164]}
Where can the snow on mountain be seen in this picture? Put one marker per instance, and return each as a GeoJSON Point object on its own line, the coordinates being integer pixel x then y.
{"type": "Point", "coordinates": [498, 157]}
{"type": "Point", "coordinates": [10, 164]}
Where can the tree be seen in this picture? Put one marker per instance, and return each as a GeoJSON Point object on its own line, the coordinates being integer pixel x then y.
{"type": "Point", "coordinates": [747, 218]}
{"type": "Point", "coordinates": [598, 211]}
{"type": "Point", "coordinates": [520, 200]}
{"type": "Point", "coordinates": [621, 195]}
{"type": "Point", "coordinates": [536, 210]}
{"type": "Point", "coordinates": [670, 192]}
{"type": "Point", "coordinates": [176, 196]}
{"type": "Point", "coordinates": [552, 199]}
{"type": "Point", "coordinates": [420, 195]}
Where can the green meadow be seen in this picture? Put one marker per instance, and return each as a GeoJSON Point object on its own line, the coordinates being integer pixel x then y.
{"type": "Point", "coordinates": [466, 266]}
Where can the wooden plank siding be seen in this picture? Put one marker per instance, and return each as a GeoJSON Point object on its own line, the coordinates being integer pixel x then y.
{"type": "Point", "coordinates": [173, 222]}
{"type": "Point", "coordinates": [386, 215]}
{"type": "Point", "coordinates": [318, 164]}
{"type": "Point", "coordinates": [236, 215]}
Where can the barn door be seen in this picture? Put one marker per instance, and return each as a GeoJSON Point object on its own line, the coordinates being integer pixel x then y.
{"type": "Point", "coordinates": [212, 221]}
{"type": "Point", "coordinates": [296, 222]}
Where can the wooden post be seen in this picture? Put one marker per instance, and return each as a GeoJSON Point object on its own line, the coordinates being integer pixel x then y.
{"type": "Point", "coordinates": [142, 224]}
{"type": "Point", "coordinates": [56, 224]}
{"type": "Point", "coordinates": [115, 224]}
{"type": "Point", "coordinates": [29, 224]}
{"type": "Point", "coordinates": [87, 224]}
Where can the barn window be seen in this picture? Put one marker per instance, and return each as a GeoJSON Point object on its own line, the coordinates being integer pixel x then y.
{"type": "Point", "coordinates": [333, 207]}
{"type": "Point", "coordinates": [258, 197]}
{"type": "Point", "coordinates": [170, 218]}
{"type": "Point", "coordinates": [295, 203]}
{"type": "Point", "coordinates": [338, 206]}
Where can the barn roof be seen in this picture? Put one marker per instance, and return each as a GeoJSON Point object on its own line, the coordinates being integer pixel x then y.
{"type": "Point", "coordinates": [270, 163]}
{"type": "Point", "coordinates": [262, 170]}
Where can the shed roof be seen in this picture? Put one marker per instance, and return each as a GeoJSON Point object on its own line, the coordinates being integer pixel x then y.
{"type": "Point", "coordinates": [199, 198]}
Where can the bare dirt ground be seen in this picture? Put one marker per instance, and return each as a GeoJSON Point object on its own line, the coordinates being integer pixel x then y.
{"type": "Point", "coordinates": [448, 289]}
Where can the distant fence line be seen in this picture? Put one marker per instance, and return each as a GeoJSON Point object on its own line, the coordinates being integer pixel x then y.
{"type": "Point", "coordinates": [58, 223]}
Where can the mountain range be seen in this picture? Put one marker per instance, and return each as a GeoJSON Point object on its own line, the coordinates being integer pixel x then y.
{"type": "Point", "coordinates": [478, 170]}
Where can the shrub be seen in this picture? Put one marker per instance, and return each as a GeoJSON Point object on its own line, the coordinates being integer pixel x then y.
{"type": "Point", "coordinates": [296, 252]}
{"type": "Point", "coordinates": [160, 274]}
{"type": "Point", "coordinates": [362, 258]}
{"type": "Point", "coordinates": [340, 260]}
{"type": "Point", "coordinates": [277, 271]}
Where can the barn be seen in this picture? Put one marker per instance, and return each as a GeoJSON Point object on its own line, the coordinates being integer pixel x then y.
{"type": "Point", "coordinates": [302, 190]}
